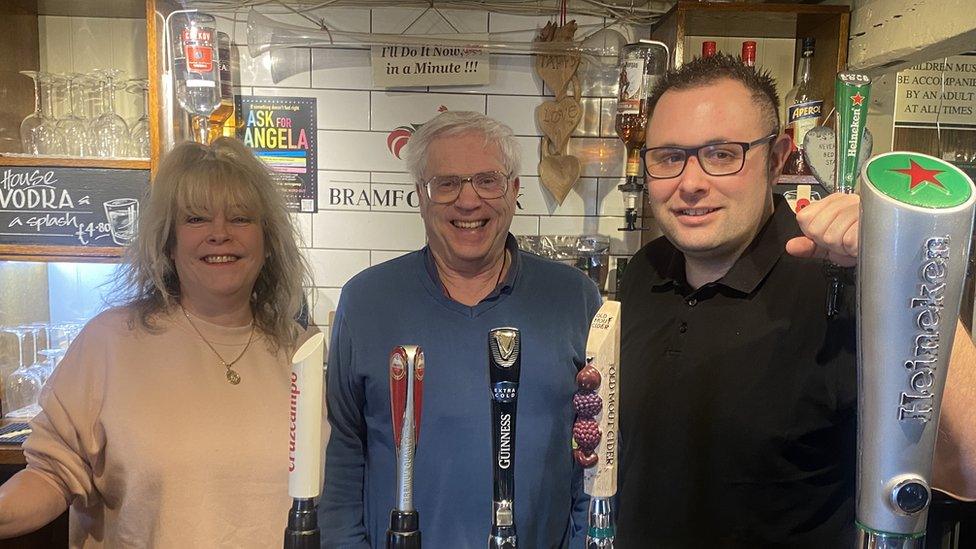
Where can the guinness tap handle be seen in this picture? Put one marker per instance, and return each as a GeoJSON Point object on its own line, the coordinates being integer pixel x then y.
{"type": "Point", "coordinates": [504, 364]}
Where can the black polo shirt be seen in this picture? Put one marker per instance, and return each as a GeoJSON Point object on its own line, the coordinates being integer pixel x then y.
{"type": "Point", "coordinates": [737, 402]}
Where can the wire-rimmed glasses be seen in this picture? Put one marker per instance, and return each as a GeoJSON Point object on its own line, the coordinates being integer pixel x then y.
{"type": "Point", "coordinates": [715, 159]}
{"type": "Point", "coordinates": [444, 189]}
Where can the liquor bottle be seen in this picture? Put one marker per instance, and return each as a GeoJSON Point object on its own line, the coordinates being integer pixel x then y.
{"type": "Point", "coordinates": [708, 49]}
{"type": "Point", "coordinates": [804, 107]}
{"type": "Point", "coordinates": [225, 112]}
{"type": "Point", "coordinates": [642, 64]}
{"type": "Point", "coordinates": [749, 53]}
{"type": "Point", "coordinates": [195, 68]}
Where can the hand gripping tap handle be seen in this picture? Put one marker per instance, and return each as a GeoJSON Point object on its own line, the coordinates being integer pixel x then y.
{"type": "Point", "coordinates": [406, 399]}
{"type": "Point", "coordinates": [595, 431]}
{"type": "Point", "coordinates": [852, 93]}
{"type": "Point", "coordinates": [305, 444]}
{"type": "Point", "coordinates": [915, 231]}
{"type": "Point", "coordinates": [504, 364]}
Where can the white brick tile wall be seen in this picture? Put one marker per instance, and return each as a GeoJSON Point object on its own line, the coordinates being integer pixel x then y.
{"type": "Point", "coordinates": [393, 109]}
{"type": "Point", "coordinates": [368, 231]}
{"type": "Point", "coordinates": [333, 268]}
{"type": "Point", "coordinates": [336, 109]}
{"type": "Point", "coordinates": [367, 202]}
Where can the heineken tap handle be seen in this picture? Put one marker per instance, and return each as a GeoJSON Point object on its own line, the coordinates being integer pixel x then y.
{"type": "Point", "coordinates": [852, 93]}
{"type": "Point", "coordinates": [406, 399]}
{"type": "Point", "coordinates": [915, 230]}
{"type": "Point", "coordinates": [504, 365]}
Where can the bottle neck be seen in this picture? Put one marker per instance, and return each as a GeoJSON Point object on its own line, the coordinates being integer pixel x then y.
{"type": "Point", "coordinates": [803, 70]}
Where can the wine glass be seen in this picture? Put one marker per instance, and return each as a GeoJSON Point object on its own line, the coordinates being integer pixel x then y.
{"type": "Point", "coordinates": [22, 387]}
{"type": "Point", "coordinates": [196, 68]}
{"type": "Point", "coordinates": [77, 139]}
{"type": "Point", "coordinates": [38, 131]}
{"type": "Point", "coordinates": [109, 130]}
{"type": "Point", "coordinates": [139, 144]}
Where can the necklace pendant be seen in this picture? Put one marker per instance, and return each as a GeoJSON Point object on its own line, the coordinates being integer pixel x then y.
{"type": "Point", "coordinates": [233, 377]}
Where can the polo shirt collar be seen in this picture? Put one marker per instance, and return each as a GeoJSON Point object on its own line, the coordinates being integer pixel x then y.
{"type": "Point", "coordinates": [752, 266]}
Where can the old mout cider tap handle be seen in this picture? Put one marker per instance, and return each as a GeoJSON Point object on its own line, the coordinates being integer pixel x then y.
{"type": "Point", "coordinates": [504, 365]}
{"type": "Point", "coordinates": [852, 93]}
{"type": "Point", "coordinates": [305, 444]}
{"type": "Point", "coordinates": [406, 402]}
{"type": "Point", "coordinates": [596, 427]}
{"type": "Point", "coordinates": [915, 230]}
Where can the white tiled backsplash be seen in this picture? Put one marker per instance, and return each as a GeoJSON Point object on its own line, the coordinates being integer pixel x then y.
{"type": "Point", "coordinates": [367, 202]}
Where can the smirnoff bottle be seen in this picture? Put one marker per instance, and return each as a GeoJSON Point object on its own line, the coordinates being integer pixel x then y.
{"type": "Point", "coordinates": [804, 107]}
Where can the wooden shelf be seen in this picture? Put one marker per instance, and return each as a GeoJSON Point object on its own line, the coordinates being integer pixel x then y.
{"type": "Point", "coordinates": [72, 162]}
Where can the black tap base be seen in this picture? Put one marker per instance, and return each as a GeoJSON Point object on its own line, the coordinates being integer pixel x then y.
{"type": "Point", "coordinates": [404, 532]}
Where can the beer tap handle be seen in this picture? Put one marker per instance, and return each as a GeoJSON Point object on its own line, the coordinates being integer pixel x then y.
{"type": "Point", "coordinates": [504, 364]}
{"type": "Point", "coordinates": [406, 396]}
{"type": "Point", "coordinates": [852, 93]}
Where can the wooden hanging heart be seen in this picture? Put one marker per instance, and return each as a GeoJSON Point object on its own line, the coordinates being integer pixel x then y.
{"type": "Point", "coordinates": [558, 173]}
{"type": "Point", "coordinates": [558, 119]}
{"type": "Point", "coordinates": [557, 69]}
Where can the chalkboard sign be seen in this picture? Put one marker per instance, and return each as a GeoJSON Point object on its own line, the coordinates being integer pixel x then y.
{"type": "Point", "coordinates": [70, 207]}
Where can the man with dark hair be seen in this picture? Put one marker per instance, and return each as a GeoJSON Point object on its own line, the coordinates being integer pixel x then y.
{"type": "Point", "coordinates": [738, 393]}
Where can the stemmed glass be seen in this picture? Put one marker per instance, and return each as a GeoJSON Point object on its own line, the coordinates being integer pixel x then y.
{"type": "Point", "coordinates": [109, 130]}
{"type": "Point", "coordinates": [23, 385]}
{"type": "Point", "coordinates": [139, 134]}
{"type": "Point", "coordinates": [77, 140]}
{"type": "Point", "coordinates": [38, 131]}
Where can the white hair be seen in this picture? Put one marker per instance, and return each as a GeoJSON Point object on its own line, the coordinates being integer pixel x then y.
{"type": "Point", "coordinates": [451, 123]}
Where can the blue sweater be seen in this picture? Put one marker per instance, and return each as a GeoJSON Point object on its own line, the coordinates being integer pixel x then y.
{"type": "Point", "coordinates": [401, 302]}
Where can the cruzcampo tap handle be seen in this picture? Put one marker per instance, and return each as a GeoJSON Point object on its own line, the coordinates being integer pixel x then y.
{"type": "Point", "coordinates": [406, 399]}
{"type": "Point", "coordinates": [504, 364]}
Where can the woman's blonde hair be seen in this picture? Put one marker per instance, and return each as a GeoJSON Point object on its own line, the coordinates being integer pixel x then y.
{"type": "Point", "coordinates": [224, 176]}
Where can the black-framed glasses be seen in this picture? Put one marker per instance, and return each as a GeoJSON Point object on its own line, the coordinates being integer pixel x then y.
{"type": "Point", "coordinates": [715, 159]}
{"type": "Point", "coordinates": [444, 189]}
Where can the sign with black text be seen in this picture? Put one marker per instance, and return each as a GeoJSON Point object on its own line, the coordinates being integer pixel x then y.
{"type": "Point", "coordinates": [396, 66]}
{"type": "Point", "coordinates": [939, 92]}
{"type": "Point", "coordinates": [281, 132]}
{"type": "Point", "coordinates": [45, 206]}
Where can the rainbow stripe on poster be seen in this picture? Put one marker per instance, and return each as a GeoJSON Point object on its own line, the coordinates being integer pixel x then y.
{"type": "Point", "coordinates": [285, 161]}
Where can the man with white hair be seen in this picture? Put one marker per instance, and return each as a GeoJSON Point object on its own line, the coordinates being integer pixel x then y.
{"type": "Point", "coordinates": [471, 277]}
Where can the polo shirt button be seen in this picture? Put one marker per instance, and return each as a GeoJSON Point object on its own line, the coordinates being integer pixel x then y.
{"type": "Point", "coordinates": [683, 327]}
{"type": "Point", "coordinates": [692, 302]}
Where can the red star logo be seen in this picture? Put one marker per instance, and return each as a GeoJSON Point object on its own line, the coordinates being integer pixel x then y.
{"type": "Point", "coordinates": [920, 175]}
{"type": "Point", "coordinates": [857, 99]}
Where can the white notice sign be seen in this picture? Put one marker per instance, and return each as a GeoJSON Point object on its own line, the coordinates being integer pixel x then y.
{"type": "Point", "coordinates": [400, 66]}
{"type": "Point", "coordinates": [938, 90]}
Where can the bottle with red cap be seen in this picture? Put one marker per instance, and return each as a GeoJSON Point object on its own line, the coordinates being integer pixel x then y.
{"type": "Point", "coordinates": [708, 49]}
{"type": "Point", "coordinates": [749, 53]}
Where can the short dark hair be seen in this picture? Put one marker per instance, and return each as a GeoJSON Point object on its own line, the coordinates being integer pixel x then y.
{"type": "Point", "coordinates": [707, 70]}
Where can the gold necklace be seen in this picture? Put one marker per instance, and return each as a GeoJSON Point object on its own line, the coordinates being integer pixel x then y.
{"type": "Point", "coordinates": [232, 377]}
